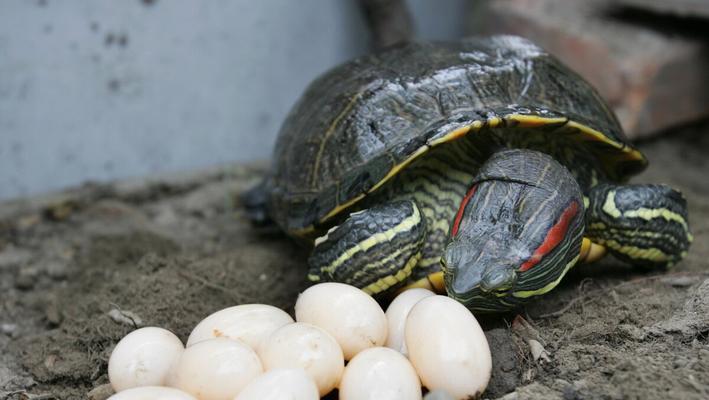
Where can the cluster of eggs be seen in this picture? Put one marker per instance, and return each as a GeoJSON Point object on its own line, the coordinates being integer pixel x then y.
{"type": "Point", "coordinates": [257, 351]}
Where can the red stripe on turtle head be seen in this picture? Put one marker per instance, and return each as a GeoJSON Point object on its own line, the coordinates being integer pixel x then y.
{"type": "Point", "coordinates": [554, 236]}
{"type": "Point", "coordinates": [461, 210]}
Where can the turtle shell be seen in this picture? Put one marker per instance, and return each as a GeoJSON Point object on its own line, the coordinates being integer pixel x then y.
{"type": "Point", "coordinates": [359, 124]}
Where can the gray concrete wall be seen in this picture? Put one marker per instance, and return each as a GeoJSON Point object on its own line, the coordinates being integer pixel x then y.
{"type": "Point", "coordinates": [106, 89]}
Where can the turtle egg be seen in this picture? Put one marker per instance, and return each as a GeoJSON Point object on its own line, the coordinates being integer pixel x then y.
{"type": "Point", "coordinates": [447, 347]}
{"type": "Point", "coordinates": [216, 369]}
{"type": "Point", "coordinates": [152, 393]}
{"type": "Point", "coordinates": [380, 373]}
{"type": "Point", "coordinates": [305, 346]}
{"type": "Point", "coordinates": [396, 315]}
{"type": "Point", "coordinates": [143, 357]}
{"type": "Point", "coordinates": [350, 315]}
{"type": "Point", "coordinates": [251, 323]}
{"type": "Point", "coordinates": [281, 384]}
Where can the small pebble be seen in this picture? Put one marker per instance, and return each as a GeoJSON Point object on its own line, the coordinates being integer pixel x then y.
{"type": "Point", "coordinates": [127, 318]}
{"type": "Point", "coordinates": [538, 351]}
{"type": "Point", "coordinates": [8, 329]}
{"type": "Point", "coordinates": [101, 392]}
{"type": "Point", "coordinates": [681, 281]}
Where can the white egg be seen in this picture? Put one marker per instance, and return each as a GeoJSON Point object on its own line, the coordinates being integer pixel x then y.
{"type": "Point", "coordinates": [251, 323]}
{"type": "Point", "coordinates": [306, 346]}
{"type": "Point", "coordinates": [396, 315]}
{"type": "Point", "coordinates": [152, 393]}
{"type": "Point", "coordinates": [380, 373]}
{"type": "Point", "coordinates": [350, 315]}
{"type": "Point", "coordinates": [216, 369]}
{"type": "Point", "coordinates": [281, 384]}
{"type": "Point", "coordinates": [447, 347]}
{"type": "Point", "coordinates": [143, 357]}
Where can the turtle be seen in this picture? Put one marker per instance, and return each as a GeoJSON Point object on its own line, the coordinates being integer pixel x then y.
{"type": "Point", "coordinates": [484, 168]}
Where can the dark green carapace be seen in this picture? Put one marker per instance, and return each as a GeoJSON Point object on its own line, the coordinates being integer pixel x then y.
{"type": "Point", "coordinates": [486, 159]}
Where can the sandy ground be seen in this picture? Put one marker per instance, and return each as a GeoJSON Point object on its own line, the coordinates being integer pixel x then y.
{"type": "Point", "coordinates": [80, 269]}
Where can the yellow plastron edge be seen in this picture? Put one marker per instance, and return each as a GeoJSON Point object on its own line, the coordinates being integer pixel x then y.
{"type": "Point", "coordinates": [591, 252]}
{"type": "Point", "coordinates": [526, 121]}
{"type": "Point", "coordinates": [433, 282]}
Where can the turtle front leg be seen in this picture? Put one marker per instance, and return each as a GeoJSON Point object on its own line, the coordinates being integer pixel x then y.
{"type": "Point", "coordinates": [644, 225]}
{"type": "Point", "coordinates": [374, 249]}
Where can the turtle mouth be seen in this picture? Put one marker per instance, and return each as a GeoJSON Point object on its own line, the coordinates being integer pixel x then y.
{"type": "Point", "coordinates": [477, 278]}
{"type": "Point", "coordinates": [485, 302]}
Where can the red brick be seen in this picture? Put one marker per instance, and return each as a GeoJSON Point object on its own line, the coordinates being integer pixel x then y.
{"type": "Point", "coordinates": [653, 81]}
{"type": "Point", "coordinates": [680, 8]}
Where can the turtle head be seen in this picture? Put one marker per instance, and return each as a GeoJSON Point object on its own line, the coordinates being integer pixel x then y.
{"type": "Point", "coordinates": [516, 233]}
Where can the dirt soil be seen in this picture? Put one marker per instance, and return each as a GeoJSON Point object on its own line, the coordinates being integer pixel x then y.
{"type": "Point", "coordinates": [82, 268]}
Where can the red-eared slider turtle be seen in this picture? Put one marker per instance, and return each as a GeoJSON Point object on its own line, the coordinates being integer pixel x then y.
{"type": "Point", "coordinates": [487, 159]}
